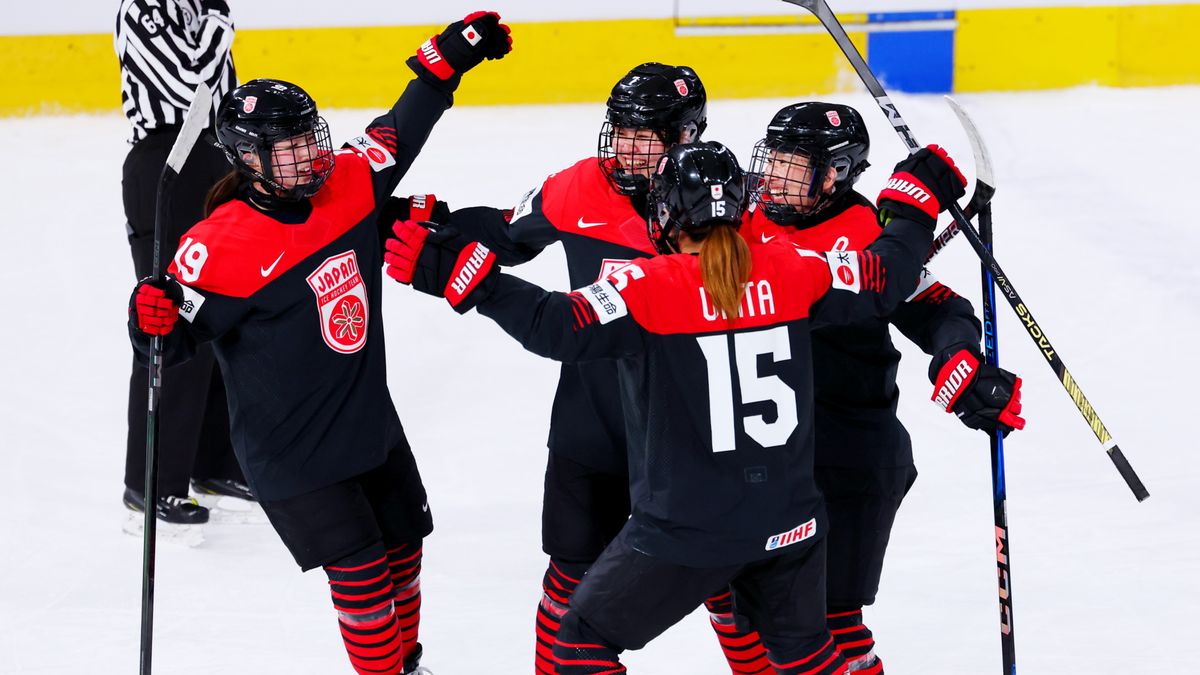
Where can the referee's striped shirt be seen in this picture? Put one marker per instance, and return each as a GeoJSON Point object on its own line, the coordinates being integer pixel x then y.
{"type": "Point", "coordinates": [166, 48]}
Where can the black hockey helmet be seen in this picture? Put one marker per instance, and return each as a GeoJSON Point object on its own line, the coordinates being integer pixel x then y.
{"type": "Point", "coordinates": [816, 135]}
{"type": "Point", "coordinates": [668, 100]}
{"type": "Point", "coordinates": [696, 187]}
{"type": "Point", "coordinates": [256, 116]}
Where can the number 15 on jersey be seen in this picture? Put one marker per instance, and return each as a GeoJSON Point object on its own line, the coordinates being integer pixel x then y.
{"type": "Point", "coordinates": [724, 364]}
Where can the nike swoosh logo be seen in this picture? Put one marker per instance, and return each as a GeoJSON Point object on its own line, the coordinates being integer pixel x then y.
{"type": "Point", "coordinates": [425, 507]}
{"type": "Point", "coordinates": [584, 226]}
{"type": "Point", "coordinates": [766, 239]}
{"type": "Point", "coordinates": [266, 271]}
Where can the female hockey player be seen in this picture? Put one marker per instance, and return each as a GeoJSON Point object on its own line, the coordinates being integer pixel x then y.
{"type": "Point", "coordinates": [283, 278]}
{"type": "Point", "coordinates": [713, 353]}
{"type": "Point", "coordinates": [597, 209]}
{"type": "Point", "coordinates": [803, 174]}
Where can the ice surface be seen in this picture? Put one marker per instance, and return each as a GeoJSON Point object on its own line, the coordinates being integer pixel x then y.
{"type": "Point", "coordinates": [1094, 224]}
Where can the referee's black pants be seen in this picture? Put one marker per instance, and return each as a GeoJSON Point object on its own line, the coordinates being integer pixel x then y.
{"type": "Point", "coordinates": [193, 422]}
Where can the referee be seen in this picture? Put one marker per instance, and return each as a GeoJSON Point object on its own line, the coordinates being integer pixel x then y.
{"type": "Point", "coordinates": [167, 48]}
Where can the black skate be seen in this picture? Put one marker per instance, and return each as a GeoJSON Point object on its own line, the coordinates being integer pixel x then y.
{"type": "Point", "coordinates": [412, 665]}
{"type": "Point", "coordinates": [171, 509]}
{"type": "Point", "coordinates": [223, 487]}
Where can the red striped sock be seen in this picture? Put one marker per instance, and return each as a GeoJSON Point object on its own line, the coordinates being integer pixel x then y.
{"type": "Point", "coordinates": [744, 650]}
{"type": "Point", "coordinates": [557, 586]}
{"type": "Point", "coordinates": [578, 650]}
{"type": "Point", "coordinates": [854, 640]}
{"type": "Point", "coordinates": [362, 594]}
{"type": "Point", "coordinates": [824, 661]}
{"type": "Point", "coordinates": [404, 566]}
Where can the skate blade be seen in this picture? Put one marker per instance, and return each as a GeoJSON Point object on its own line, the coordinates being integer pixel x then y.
{"type": "Point", "coordinates": [174, 533]}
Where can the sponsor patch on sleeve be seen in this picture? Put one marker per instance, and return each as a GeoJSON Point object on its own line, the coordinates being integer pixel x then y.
{"type": "Point", "coordinates": [525, 206]}
{"type": "Point", "coordinates": [843, 265]}
{"type": "Point", "coordinates": [605, 300]}
{"type": "Point", "coordinates": [192, 300]}
{"type": "Point", "coordinates": [927, 280]}
{"type": "Point", "coordinates": [375, 153]}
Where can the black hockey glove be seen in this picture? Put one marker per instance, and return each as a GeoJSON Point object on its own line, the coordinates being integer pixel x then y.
{"type": "Point", "coordinates": [983, 396]}
{"type": "Point", "coordinates": [421, 208]}
{"type": "Point", "coordinates": [923, 185]}
{"type": "Point", "coordinates": [440, 262]}
{"type": "Point", "coordinates": [442, 59]}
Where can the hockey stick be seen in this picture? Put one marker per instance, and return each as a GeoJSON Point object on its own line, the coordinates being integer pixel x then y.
{"type": "Point", "coordinates": [991, 354]}
{"type": "Point", "coordinates": [193, 123]}
{"type": "Point", "coordinates": [820, 9]}
{"type": "Point", "coordinates": [985, 181]}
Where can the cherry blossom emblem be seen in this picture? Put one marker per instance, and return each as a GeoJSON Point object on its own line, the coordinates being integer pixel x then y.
{"type": "Point", "coordinates": [342, 302]}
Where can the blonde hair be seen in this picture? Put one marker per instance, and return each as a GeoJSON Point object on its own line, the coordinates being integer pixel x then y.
{"type": "Point", "coordinates": [725, 267]}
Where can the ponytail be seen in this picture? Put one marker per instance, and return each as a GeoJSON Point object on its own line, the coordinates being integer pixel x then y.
{"type": "Point", "coordinates": [725, 267]}
{"type": "Point", "coordinates": [222, 191]}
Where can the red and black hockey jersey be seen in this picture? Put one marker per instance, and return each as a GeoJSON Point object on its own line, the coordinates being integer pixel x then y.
{"type": "Point", "coordinates": [290, 300]}
{"type": "Point", "coordinates": [854, 365]}
{"type": "Point", "coordinates": [600, 230]}
{"type": "Point", "coordinates": [718, 410]}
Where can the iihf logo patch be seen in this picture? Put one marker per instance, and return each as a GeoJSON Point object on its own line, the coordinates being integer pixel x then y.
{"type": "Point", "coordinates": [681, 87]}
{"type": "Point", "coordinates": [718, 192]}
{"type": "Point", "coordinates": [249, 104]}
{"type": "Point", "coordinates": [834, 118]}
{"type": "Point", "coordinates": [795, 535]}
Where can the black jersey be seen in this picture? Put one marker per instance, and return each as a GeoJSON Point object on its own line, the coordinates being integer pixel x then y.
{"type": "Point", "coordinates": [600, 230]}
{"type": "Point", "coordinates": [718, 410]}
{"type": "Point", "coordinates": [854, 366]}
{"type": "Point", "coordinates": [290, 300]}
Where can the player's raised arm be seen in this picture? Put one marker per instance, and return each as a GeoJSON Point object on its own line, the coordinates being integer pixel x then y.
{"type": "Point", "coordinates": [393, 140]}
{"type": "Point", "coordinates": [589, 323]}
{"type": "Point", "coordinates": [874, 281]}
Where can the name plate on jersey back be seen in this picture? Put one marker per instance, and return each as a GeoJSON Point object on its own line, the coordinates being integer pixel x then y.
{"type": "Point", "coordinates": [341, 302]}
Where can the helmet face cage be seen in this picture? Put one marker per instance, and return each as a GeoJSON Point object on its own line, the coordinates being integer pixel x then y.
{"type": "Point", "coordinates": [666, 101]}
{"type": "Point", "coordinates": [788, 180]}
{"type": "Point", "coordinates": [295, 160]}
{"type": "Point", "coordinates": [629, 172]}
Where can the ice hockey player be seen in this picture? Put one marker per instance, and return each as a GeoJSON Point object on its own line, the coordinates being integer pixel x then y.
{"type": "Point", "coordinates": [803, 174]}
{"type": "Point", "coordinates": [712, 348]}
{"type": "Point", "coordinates": [597, 208]}
{"type": "Point", "coordinates": [283, 278]}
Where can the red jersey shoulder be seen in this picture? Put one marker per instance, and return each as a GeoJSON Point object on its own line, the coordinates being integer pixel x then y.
{"type": "Point", "coordinates": [666, 294]}
{"type": "Point", "coordinates": [233, 252]}
{"type": "Point", "coordinates": [850, 230]}
{"type": "Point", "coordinates": [579, 200]}
{"type": "Point", "coordinates": [238, 250]}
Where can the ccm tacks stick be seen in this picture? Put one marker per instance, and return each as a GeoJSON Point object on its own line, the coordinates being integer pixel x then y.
{"type": "Point", "coordinates": [194, 122]}
{"type": "Point", "coordinates": [820, 9]}
{"type": "Point", "coordinates": [985, 181]}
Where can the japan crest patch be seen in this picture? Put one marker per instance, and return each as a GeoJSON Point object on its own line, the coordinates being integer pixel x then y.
{"type": "Point", "coordinates": [341, 302]}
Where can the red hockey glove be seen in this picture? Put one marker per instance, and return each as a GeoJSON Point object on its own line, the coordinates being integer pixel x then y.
{"type": "Point", "coordinates": [156, 304]}
{"type": "Point", "coordinates": [440, 262]}
{"type": "Point", "coordinates": [462, 46]}
{"type": "Point", "coordinates": [982, 395]}
{"type": "Point", "coordinates": [420, 208]}
{"type": "Point", "coordinates": [922, 186]}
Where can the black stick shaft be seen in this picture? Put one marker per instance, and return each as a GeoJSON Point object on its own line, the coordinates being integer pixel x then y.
{"type": "Point", "coordinates": [821, 10]}
{"type": "Point", "coordinates": [991, 354]}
